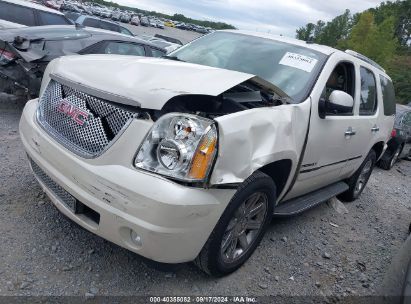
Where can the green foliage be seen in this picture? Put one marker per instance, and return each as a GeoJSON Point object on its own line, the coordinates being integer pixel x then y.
{"type": "Point", "coordinates": [399, 70]}
{"type": "Point", "coordinates": [175, 17]}
{"type": "Point", "coordinates": [382, 34]}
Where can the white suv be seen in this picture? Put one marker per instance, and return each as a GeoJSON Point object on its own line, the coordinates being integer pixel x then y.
{"type": "Point", "coordinates": [189, 157]}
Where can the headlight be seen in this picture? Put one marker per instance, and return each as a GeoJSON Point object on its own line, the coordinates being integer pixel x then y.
{"type": "Point", "coordinates": [180, 146]}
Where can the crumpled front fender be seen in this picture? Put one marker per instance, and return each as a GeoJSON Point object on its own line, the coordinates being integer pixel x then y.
{"type": "Point", "coordinates": [251, 139]}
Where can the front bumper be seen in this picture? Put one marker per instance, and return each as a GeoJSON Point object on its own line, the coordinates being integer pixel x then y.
{"type": "Point", "coordinates": [174, 221]}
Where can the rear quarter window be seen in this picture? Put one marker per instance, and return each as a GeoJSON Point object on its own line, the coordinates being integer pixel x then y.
{"type": "Point", "coordinates": [17, 14]}
{"type": "Point", "coordinates": [388, 96]}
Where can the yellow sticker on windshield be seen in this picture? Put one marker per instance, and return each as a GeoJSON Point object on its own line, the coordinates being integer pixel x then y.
{"type": "Point", "coordinates": [299, 61]}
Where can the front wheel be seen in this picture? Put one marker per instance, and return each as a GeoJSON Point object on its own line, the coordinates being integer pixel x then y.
{"type": "Point", "coordinates": [240, 228]}
{"type": "Point", "coordinates": [359, 180]}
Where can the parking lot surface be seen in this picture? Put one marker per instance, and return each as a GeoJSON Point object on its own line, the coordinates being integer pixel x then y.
{"type": "Point", "coordinates": [183, 36]}
{"type": "Point", "coordinates": [322, 252]}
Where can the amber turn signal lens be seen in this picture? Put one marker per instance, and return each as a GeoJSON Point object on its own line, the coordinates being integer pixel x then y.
{"type": "Point", "coordinates": [203, 156]}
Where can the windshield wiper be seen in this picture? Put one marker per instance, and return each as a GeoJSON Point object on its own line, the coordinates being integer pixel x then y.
{"type": "Point", "coordinates": [173, 58]}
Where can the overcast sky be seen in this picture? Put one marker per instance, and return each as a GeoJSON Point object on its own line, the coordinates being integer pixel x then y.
{"type": "Point", "coordinates": [276, 16]}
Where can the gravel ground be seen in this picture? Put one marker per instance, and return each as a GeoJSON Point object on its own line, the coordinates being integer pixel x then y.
{"type": "Point", "coordinates": [322, 252]}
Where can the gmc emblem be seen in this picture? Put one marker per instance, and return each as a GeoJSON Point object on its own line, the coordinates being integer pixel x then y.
{"type": "Point", "coordinates": [78, 115]}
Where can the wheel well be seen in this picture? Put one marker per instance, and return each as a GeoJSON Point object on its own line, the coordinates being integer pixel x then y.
{"type": "Point", "coordinates": [378, 148]}
{"type": "Point", "coordinates": [279, 171]}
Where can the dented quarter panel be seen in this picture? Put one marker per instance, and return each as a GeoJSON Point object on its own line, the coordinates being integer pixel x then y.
{"type": "Point", "coordinates": [251, 139]}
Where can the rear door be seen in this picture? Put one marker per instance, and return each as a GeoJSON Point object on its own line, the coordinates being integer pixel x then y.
{"type": "Point", "coordinates": [367, 122]}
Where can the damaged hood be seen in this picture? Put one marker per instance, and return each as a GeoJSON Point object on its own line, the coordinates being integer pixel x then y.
{"type": "Point", "coordinates": [146, 82]}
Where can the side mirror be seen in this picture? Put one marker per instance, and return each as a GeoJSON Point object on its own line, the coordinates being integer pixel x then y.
{"type": "Point", "coordinates": [339, 103]}
{"type": "Point", "coordinates": [341, 99]}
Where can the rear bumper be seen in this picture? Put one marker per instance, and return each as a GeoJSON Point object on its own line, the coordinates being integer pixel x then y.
{"type": "Point", "coordinates": [174, 221]}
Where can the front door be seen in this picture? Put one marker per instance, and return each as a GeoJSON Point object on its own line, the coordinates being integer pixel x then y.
{"type": "Point", "coordinates": [335, 144]}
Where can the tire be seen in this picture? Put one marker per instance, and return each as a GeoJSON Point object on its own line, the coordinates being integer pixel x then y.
{"type": "Point", "coordinates": [388, 161]}
{"type": "Point", "coordinates": [359, 180]}
{"type": "Point", "coordinates": [408, 156]}
{"type": "Point", "coordinates": [224, 251]}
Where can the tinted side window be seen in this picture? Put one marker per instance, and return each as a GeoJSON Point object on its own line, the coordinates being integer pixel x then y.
{"type": "Point", "coordinates": [101, 24]}
{"type": "Point", "coordinates": [17, 14]}
{"type": "Point", "coordinates": [157, 53]}
{"type": "Point", "coordinates": [91, 22]}
{"type": "Point", "coordinates": [123, 48]}
{"type": "Point", "coordinates": [125, 31]}
{"type": "Point", "coordinates": [72, 15]}
{"type": "Point", "coordinates": [368, 97]}
{"type": "Point", "coordinates": [52, 19]}
{"type": "Point", "coordinates": [109, 26]}
{"type": "Point", "coordinates": [388, 96]}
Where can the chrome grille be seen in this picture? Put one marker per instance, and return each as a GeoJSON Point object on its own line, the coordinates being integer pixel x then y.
{"type": "Point", "coordinates": [57, 190]}
{"type": "Point", "coordinates": [103, 123]}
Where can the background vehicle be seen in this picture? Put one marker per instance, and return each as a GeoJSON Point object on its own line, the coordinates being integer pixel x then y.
{"type": "Point", "coordinates": [71, 7]}
{"type": "Point", "coordinates": [92, 21]}
{"type": "Point", "coordinates": [21, 70]}
{"type": "Point", "coordinates": [19, 13]}
{"type": "Point", "coordinates": [135, 20]}
{"type": "Point", "coordinates": [400, 143]}
{"type": "Point", "coordinates": [159, 24]}
{"type": "Point", "coordinates": [396, 287]}
{"type": "Point", "coordinates": [144, 21]}
{"type": "Point", "coordinates": [51, 4]}
{"type": "Point", "coordinates": [125, 18]}
{"type": "Point", "coordinates": [169, 24]}
{"type": "Point", "coordinates": [116, 16]}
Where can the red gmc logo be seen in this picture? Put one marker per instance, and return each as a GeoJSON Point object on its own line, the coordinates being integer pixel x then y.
{"type": "Point", "coordinates": [78, 115]}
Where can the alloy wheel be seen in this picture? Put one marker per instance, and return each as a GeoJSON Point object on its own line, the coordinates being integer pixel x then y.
{"type": "Point", "coordinates": [244, 227]}
{"type": "Point", "coordinates": [363, 178]}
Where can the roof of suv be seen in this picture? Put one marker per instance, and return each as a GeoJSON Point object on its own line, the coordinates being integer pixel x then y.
{"type": "Point", "coordinates": [33, 5]}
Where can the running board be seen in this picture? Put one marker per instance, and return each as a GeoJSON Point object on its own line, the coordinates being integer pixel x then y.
{"type": "Point", "coordinates": [300, 204]}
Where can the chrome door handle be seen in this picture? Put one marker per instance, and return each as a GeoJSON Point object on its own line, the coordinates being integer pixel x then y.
{"type": "Point", "coordinates": [350, 132]}
{"type": "Point", "coordinates": [375, 129]}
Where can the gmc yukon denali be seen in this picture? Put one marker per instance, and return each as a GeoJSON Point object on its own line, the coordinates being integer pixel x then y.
{"type": "Point", "coordinates": [188, 157]}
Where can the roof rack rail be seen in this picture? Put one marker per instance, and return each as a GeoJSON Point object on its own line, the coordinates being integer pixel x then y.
{"type": "Point", "coordinates": [365, 58]}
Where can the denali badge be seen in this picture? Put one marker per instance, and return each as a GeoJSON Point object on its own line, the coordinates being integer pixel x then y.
{"type": "Point", "coordinates": [78, 115]}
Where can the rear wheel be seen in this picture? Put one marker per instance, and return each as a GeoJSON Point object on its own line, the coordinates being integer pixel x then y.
{"type": "Point", "coordinates": [388, 161]}
{"type": "Point", "coordinates": [359, 180]}
{"type": "Point", "coordinates": [240, 228]}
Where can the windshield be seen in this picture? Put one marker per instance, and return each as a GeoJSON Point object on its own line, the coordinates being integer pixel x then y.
{"type": "Point", "coordinates": [291, 68]}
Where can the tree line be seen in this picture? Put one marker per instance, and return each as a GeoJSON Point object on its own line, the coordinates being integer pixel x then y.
{"type": "Point", "coordinates": [175, 17]}
{"type": "Point", "coordinates": [382, 34]}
